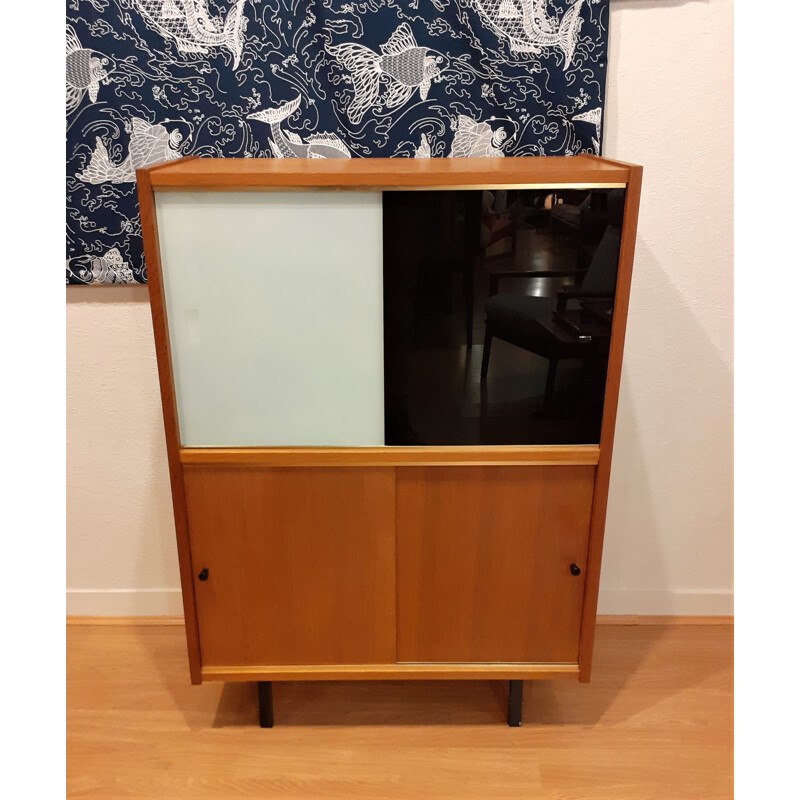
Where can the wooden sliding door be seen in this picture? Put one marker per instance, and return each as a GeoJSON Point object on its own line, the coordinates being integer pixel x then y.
{"type": "Point", "coordinates": [293, 566]}
{"type": "Point", "coordinates": [491, 562]}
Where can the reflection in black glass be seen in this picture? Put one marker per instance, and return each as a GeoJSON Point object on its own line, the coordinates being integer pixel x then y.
{"type": "Point", "coordinates": [497, 314]}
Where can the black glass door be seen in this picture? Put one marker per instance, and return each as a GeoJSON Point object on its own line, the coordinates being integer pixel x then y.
{"type": "Point", "coordinates": [497, 314]}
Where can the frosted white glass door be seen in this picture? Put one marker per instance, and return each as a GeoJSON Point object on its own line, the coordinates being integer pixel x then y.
{"type": "Point", "coordinates": [275, 313]}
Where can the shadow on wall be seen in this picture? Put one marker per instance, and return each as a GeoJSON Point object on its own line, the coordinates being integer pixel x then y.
{"type": "Point", "coordinates": [107, 293]}
{"type": "Point", "coordinates": [134, 481]}
{"type": "Point", "coordinates": [121, 535]}
{"type": "Point", "coordinates": [671, 486]}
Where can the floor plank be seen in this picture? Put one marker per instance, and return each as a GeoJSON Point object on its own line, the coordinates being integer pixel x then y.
{"type": "Point", "coordinates": [656, 722]}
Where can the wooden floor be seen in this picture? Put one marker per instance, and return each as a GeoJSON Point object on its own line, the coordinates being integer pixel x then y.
{"type": "Point", "coordinates": [656, 722]}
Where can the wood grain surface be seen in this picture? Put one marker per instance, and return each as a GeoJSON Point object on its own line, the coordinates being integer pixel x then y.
{"type": "Point", "coordinates": [300, 565]}
{"type": "Point", "coordinates": [158, 310]}
{"type": "Point", "coordinates": [330, 585]}
{"type": "Point", "coordinates": [614, 375]}
{"type": "Point", "coordinates": [656, 723]}
{"type": "Point", "coordinates": [483, 562]}
{"type": "Point", "coordinates": [242, 173]}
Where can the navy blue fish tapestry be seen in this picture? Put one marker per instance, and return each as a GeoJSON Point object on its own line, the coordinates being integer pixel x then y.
{"type": "Point", "coordinates": [152, 80]}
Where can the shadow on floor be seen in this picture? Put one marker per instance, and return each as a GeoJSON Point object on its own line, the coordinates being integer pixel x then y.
{"type": "Point", "coordinates": [621, 651]}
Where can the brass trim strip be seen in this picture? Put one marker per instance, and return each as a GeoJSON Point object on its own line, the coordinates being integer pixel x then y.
{"type": "Point", "coordinates": [531, 455]}
{"type": "Point", "coordinates": [404, 671]}
{"type": "Point", "coordinates": [377, 188]}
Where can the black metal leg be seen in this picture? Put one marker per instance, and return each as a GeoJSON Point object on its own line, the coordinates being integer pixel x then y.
{"type": "Point", "coordinates": [265, 703]}
{"type": "Point", "coordinates": [514, 704]}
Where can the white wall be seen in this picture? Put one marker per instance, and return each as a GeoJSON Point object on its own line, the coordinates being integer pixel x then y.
{"type": "Point", "coordinates": [121, 551]}
{"type": "Point", "coordinates": [669, 532]}
{"type": "Point", "coordinates": [669, 538]}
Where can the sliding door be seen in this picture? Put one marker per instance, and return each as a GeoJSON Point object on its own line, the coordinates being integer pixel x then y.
{"type": "Point", "coordinates": [491, 563]}
{"type": "Point", "coordinates": [498, 308]}
{"type": "Point", "coordinates": [275, 312]}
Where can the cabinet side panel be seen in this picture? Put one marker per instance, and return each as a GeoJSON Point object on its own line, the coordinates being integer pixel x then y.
{"type": "Point", "coordinates": [300, 564]}
{"type": "Point", "coordinates": [483, 562]}
{"type": "Point", "coordinates": [165, 379]}
{"type": "Point", "coordinates": [600, 501]}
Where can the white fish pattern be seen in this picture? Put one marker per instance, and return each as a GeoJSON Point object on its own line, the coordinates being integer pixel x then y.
{"type": "Point", "coordinates": [593, 116]}
{"type": "Point", "coordinates": [190, 25]}
{"type": "Point", "coordinates": [529, 29]}
{"type": "Point", "coordinates": [424, 149]}
{"type": "Point", "coordinates": [152, 80]}
{"type": "Point", "coordinates": [477, 139]}
{"type": "Point", "coordinates": [108, 268]}
{"type": "Point", "coordinates": [111, 268]}
{"type": "Point", "coordinates": [149, 144]}
{"type": "Point", "coordinates": [404, 66]}
{"type": "Point", "coordinates": [287, 144]}
{"type": "Point", "coordinates": [86, 70]}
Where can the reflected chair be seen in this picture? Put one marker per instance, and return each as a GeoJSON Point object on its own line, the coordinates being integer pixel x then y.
{"type": "Point", "coordinates": [487, 227]}
{"type": "Point", "coordinates": [529, 322]}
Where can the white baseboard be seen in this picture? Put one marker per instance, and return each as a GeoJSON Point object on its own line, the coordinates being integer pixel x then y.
{"type": "Point", "coordinates": [124, 602]}
{"type": "Point", "coordinates": [167, 602]}
{"type": "Point", "coordinates": [644, 602]}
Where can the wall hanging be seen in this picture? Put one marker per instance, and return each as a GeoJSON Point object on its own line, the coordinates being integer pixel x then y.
{"type": "Point", "coordinates": [153, 80]}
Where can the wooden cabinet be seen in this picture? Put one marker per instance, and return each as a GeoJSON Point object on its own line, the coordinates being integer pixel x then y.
{"type": "Point", "coordinates": [389, 393]}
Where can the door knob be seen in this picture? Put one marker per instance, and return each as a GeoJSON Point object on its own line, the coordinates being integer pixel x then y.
{"type": "Point", "coordinates": [203, 576]}
{"type": "Point", "coordinates": [573, 568]}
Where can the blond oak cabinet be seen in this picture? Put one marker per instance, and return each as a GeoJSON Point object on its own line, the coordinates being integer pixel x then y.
{"type": "Point", "coordinates": [389, 392]}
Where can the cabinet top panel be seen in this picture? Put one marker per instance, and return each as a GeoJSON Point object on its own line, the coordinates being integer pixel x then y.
{"type": "Point", "coordinates": [238, 173]}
